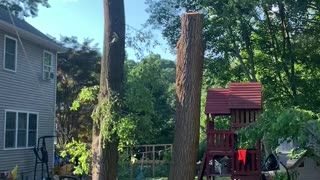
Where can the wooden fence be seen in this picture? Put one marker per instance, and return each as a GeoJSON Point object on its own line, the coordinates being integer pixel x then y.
{"type": "Point", "coordinates": [151, 154]}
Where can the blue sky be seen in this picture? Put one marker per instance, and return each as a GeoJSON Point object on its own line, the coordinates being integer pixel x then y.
{"type": "Point", "coordinates": [84, 19]}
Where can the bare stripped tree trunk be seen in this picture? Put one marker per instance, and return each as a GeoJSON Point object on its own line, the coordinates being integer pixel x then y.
{"type": "Point", "coordinates": [105, 152]}
{"type": "Point", "coordinates": [188, 80]}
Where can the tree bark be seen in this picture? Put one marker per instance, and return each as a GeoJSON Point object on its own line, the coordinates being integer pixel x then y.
{"type": "Point", "coordinates": [236, 53]}
{"type": "Point", "coordinates": [105, 151]}
{"type": "Point", "coordinates": [188, 81]}
{"type": "Point", "coordinates": [246, 36]}
{"type": "Point", "coordinates": [288, 57]}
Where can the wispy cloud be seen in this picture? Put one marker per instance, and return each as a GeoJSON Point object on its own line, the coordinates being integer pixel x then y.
{"type": "Point", "coordinates": [69, 1]}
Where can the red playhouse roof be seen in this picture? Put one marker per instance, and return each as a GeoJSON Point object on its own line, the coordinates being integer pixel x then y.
{"type": "Point", "coordinates": [245, 96]}
{"type": "Point", "coordinates": [218, 102]}
{"type": "Point", "coordinates": [237, 96]}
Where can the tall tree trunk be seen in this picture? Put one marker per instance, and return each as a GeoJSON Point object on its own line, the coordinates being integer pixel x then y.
{"type": "Point", "coordinates": [288, 57]}
{"type": "Point", "coordinates": [276, 51]}
{"type": "Point", "coordinates": [188, 80]}
{"type": "Point", "coordinates": [105, 151]}
{"type": "Point", "coordinates": [246, 36]}
{"type": "Point", "coordinates": [236, 53]}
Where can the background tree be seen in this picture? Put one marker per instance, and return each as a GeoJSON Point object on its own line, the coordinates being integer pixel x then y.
{"type": "Point", "coordinates": [78, 67]}
{"type": "Point", "coordinates": [252, 43]}
{"type": "Point", "coordinates": [293, 124]}
{"type": "Point", "coordinates": [148, 103]}
{"type": "Point", "coordinates": [24, 8]}
{"type": "Point", "coordinates": [270, 41]}
{"type": "Point", "coordinates": [149, 100]}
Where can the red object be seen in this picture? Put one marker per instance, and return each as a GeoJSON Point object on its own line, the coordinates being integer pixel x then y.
{"type": "Point", "coordinates": [242, 156]}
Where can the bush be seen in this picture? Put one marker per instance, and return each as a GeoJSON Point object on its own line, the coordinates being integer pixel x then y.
{"type": "Point", "coordinates": [80, 155]}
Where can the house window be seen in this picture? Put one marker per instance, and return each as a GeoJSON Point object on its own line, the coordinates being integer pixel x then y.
{"type": "Point", "coordinates": [10, 53]}
{"type": "Point", "coordinates": [48, 72]}
{"type": "Point", "coordinates": [20, 129]}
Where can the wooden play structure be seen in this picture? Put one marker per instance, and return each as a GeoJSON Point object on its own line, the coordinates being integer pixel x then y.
{"type": "Point", "coordinates": [242, 103]}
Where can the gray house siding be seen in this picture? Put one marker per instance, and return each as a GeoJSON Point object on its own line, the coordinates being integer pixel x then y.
{"type": "Point", "coordinates": [25, 90]}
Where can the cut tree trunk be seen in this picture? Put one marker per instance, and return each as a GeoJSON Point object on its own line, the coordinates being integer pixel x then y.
{"type": "Point", "coordinates": [105, 151]}
{"type": "Point", "coordinates": [188, 81]}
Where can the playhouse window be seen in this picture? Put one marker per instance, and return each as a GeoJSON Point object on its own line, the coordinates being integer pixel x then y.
{"type": "Point", "coordinates": [222, 122]}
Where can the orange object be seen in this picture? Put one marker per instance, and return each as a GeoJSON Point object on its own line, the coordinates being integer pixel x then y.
{"type": "Point", "coordinates": [242, 156]}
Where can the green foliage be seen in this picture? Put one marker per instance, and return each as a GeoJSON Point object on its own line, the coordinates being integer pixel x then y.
{"type": "Point", "coordinates": [164, 13]}
{"type": "Point", "coordinates": [87, 95]}
{"type": "Point", "coordinates": [80, 154]}
{"type": "Point", "coordinates": [245, 142]}
{"type": "Point", "coordinates": [148, 107]}
{"type": "Point", "coordinates": [140, 41]}
{"type": "Point", "coordinates": [150, 101]}
{"type": "Point", "coordinates": [246, 41]}
{"type": "Point", "coordinates": [130, 169]}
{"type": "Point", "coordinates": [161, 172]}
{"type": "Point", "coordinates": [222, 122]}
{"type": "Point", "coordinates": [203, 116]}
{"type": "Point", "coordinates": [24, 7]}
{"type": "Point", "coordinates": [167, 155]}
{"type": "Point", "coordinates": [77, 68]}
{"type": "Point", "coordinates": [126, 130]}
{"type": "Point", "coordinates": [297, 153]}
{"type": "Point", "coordinates": [105, 116]}
{"type": "Point", "coordinates": [288, 124]}
{"type": "Point", "coordinates": [283, 175]}
{"type": "Point", "coordinates": [202, 149]}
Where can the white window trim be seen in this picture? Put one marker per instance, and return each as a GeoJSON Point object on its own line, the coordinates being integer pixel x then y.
{"type": "Point", "coordinates": [4, 53]}
{"type": "Point", "coordinates": [16, 135]}
{"type": "Point", "coordinates": [55, 105]}
{"type": "Point", "coordinates": [52, 65]}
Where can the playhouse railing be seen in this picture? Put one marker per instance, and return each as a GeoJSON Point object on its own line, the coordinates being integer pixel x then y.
{"type": "Point", "coordinates": [220, 140]}
{"type": "Point", "coordinates": [252, 165]}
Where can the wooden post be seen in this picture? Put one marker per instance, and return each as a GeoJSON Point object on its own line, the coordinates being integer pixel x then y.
{"type": "Point", "coordinates": [146, 152]}
{"type": "Point", "coordinates": [190, 57]}
{"type": "Point", "coordinates": [153, 161]}
{"type": "Point", "coordinates": [131, 165]}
